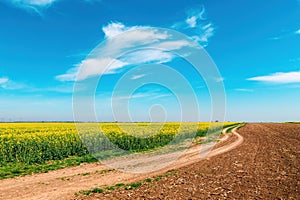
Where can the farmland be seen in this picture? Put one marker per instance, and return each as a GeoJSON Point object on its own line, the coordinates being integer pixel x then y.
{"type": "Point", "coordinates": [29, 147]}
{"type": "Point", "coordinates": [264, 164]}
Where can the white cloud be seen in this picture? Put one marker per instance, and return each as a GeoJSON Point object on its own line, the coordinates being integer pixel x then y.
{"type": "Point", "coordinates": [157, 43]}
{"type": "Point", "coordinates": [133, 96]}
{"type": "Point", "coordinates": [8, 84]}
{"type": "Point", "coordinates": [114, 29]}
{"type": "Point", "coordinates": [92, 67]}
{"type": "Point", "coordinates": [148, 56]}
{"type": "Point", "coordinates": [32, 5]}
{"type": "Point", "coordinates": [207, 32]}
{"type": "Point", "coordinates": [191, 21]}
{"type": "Point", "coordinates": [137, 76]}
{"type": "Point", "coordinates": [173, 45]}
{"type": "Point", "coordinates": [154, 47]}
{"type": "Point", "coordinates": [69, 76]}
{"type": "Point", "coordinates": [285, 35]}
{"type": "Point", "coordinates": [244, 90]}
{"type": "Point", "coordinates": [36, 5]}
{"type": "Point", "coordinates": [279, 77]}
{"type": "Point", "coordinates": [199, 28]}
{"type": "Point", "coordinates": [3, 80]}
{"type": "Point", "coordinates": [195, 17]}
{"type": "Point", "coordinates": [149, 94]}
{"type": "Point", "coordinates": [274, 38]}
{"type": "Point", "coordinates": [136, 34]}
{"type": "Point", "coordinates": [33, 2]}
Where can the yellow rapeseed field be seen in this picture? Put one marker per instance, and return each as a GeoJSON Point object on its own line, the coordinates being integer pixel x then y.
{"type": "Point", "coordinates": [40, 142]}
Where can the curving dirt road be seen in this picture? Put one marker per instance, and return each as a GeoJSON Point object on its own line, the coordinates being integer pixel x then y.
{"type": "Point", "coordinates": [62, 184]}
{"type": "Point", "coordinates": [265, 166]}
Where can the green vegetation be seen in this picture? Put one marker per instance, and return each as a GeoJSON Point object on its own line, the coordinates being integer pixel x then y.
{"type": "Point", "coordinates": [97, 190]}
{"type": "Point", "coordinates": [232, 126]}
{"type": "Point", "coordinates": [120, 185]}
{"type": "Point", "coordinates": [88, 192]}
{"type": "Point", "coordinates": [130, 186]}
{"type": "Point", "coordinates": [27, 148]}
{"type": "Point", "coordinates": [158, 178]}
{"type": "Point", "coordinates": [11, 170]}
{"type": "Point", "coordinates": [111, 188]}
{"type": "Point", "coordinates": [149, 180]}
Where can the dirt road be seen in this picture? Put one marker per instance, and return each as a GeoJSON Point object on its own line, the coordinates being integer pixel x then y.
{"type": "Point", "coordinates": [265, 166]}
{"type": "Point", "coordinates": [62, 184]}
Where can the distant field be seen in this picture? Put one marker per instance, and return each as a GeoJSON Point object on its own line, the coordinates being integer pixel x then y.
{"type": "Point", "coordinates": [34, 147]}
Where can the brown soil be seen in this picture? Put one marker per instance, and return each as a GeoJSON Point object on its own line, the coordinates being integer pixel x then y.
{"type": "Point", "coordinates": [265, 166]}
{"type": "Point", "coordinates": [62, 184]}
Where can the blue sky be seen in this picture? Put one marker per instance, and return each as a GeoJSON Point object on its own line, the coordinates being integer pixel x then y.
{"type": "Point", "coordinates": [45, 49]}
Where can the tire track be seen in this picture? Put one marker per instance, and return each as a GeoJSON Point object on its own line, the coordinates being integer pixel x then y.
{"type": "Point", "coordinates": [265, 166]}
{"type": "Point", "coordinates": [62, 184]}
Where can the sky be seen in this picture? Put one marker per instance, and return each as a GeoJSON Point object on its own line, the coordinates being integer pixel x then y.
{"type": "Point", "coordinates": [113, 60]}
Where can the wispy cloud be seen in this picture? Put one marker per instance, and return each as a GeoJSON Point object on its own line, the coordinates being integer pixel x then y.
{"type": "Point", "coordinates": [196, 25]}
{"type": "Point", "coordinates": [33, 2]}
{"type": "Point", "coordinates": [137, 76]}
{"type": "Point", "coordinates": [69, 76]}
{"type": "Point", "coordinates": [274, 38]}
{"type": "Point", "coordinates": [195, 16]}
{"type": "Point", "coordinates": [136, 35]}
{"type": "Point", "coordinates": [91, 67]}
{"type": "Point", "coordinates": [178, 44]}
{"type": "Point", "coordinates": [133, 96]}
{"type": "Point", "coordinates": [243, 90]}
{"type": "Point", "coordinates": [7, 84]}
{"type": "Point", "coordinates": [31, 5]}
{"type": "Point", "coordinates": [285, 34]}
{"type": "Point", "coordinates": [148, 56]}
{"type": "Point", "coordinates": [149, 94]}
{"type": "Point", "coordinates": [156, 44]}
{"type": "Point", "coordinates": [36, 5]}
{"type": "Point", "coordinates": [279, 77]}
{"type": "Point", "coordinates": [3, 80]}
